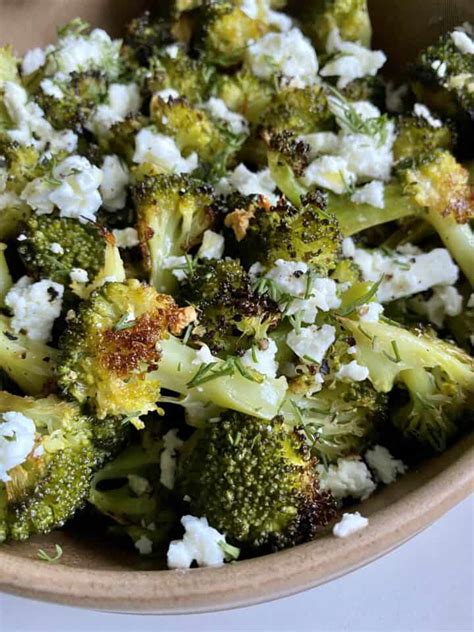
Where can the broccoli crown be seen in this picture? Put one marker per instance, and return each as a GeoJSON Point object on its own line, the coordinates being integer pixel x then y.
{"type": "Point", "coordinates": [308, 234]}
{"type": "Point", "coordinates": [245, 93]}
{"type": "Point", "coordinates": [224, 31]}
{"type": "Point", "coordinates": [255, 481]}
{"type": "Point", "coordinates": [50, 486]}
{"type": "Point", "coordinates": [22, 162]}
{"type": "Point", "coordinates": [173, 211]}
{"type": "Point", "coordinates": [366, 89]}
{"type": "Point", "coordinates": [144, 37]}
{"type": "Point", "coordinates": [231, 313]}
{"type": "Point", "coordinates": [110, 352]}
{"type": "Point", "coordinates": [81, 94]}
{"type": "Point", "coordinates": [120, 139]}
{"type": "Point", "coordinates": [8, 64]}
{"type": "Point", "coordinates": [81, 246]}
{"type": "Point", "coordinates": [417, 138]}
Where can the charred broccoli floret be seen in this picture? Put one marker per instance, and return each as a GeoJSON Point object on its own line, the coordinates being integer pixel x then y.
{"type": "Point", "coordinates": [308, 234]}
{"type": "Point", "coordinates": [120, 139]}
{"type": "Point", "coordinates": [437, 376]}
{"type": "Point", "coordinates": [173, 212]}
{"type": "Point", "coordinates": [416, 138]}
{"type": "Point", "coordinates": [53, 482]}
{"type": "Point", "coordinates": [255, 482]}
{"type": "Point", "coordinates": [232, 314]}
{"type": "Point", "coordinates": [144, 38]}
{"type": "Point", "coordinates": [287, 159]}
{"type": "Point", "coordinates": [245, 93]}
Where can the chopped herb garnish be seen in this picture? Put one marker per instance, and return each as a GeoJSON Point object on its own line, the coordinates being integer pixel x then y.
{"type": "Point", "coordinates": [45, 557]}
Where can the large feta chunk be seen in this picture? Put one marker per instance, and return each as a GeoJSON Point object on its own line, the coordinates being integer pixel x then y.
{"type": "Point", "coordinates": [321, 143]}
{"type": "Point", "coordinates": [33, 59]}
{"type": "Point", "coordinates": [347, 478]}
{"type": "Point", "coordinates": [423, 112]}
{"type": "Point", "coordinates": [349, 524]}
{"type": "Point", "coordinates": [369, 156]}
{"type": "Point", "coordinates": [122, 99]}
{"type": "Point", "coordinates": [248, 182]}
{"type": "Point", "coordinates": [78, 194]}
{"type": "Point", "coordinates": [311, 343]}
{"type": "Point", "coordinates": [352, 372]}
{"type": "Point", "coordinates": [35, 307]}
{"type": "Point", "coordinates": [385, 467]}
{"type": "Point", "coordinates": [212, 246]}
{"type": "Point", "coordinates": [371, 193]}
{"type": "Point", "coordinates": [236, 123]}
{"type": "Point", "coordinates": [263, 359]}
{"type": "Point", "coordinates": [201, 543]}
{"type": "Point", "coordinates": [463, 42]}
{"type": "Point", "coordinates": [445, 301]}
{"type": "Point", "coordinates": [126, 237]}
{"type": "Point", "coordinates": [115, 179]}
{"type": "Point", "coordinates": [162, 151]}
{"type": "Point", "coordinates": [329, 172]}
{"type": "Point", "coordinates": [17, 438]}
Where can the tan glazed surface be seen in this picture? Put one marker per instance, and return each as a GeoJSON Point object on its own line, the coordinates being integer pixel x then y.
{"type": "Point", "coordinates": [94, 574]}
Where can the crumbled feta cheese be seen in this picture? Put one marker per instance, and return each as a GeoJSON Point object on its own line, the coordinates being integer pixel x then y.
{"type": "Point", "coordinates": [51, 89]}
{"type": "Point", "coordinates": [262, 360]}
{"type": "Point", "coordinates": [423, 112]}
{"type": "Point", "coordinates": [33, 59]}
{"type": "Point", "coordinates": [248, 183]}
{"type": "Point", "coordinates": [56, 248]}
{"type": "Point", "coordinates": [385, 467]}
{"type": "Point", "coordinates": [350, 523]}
{"type": "Point", "coordinates": [17, 438]}
{"type": "Point", "coordinates": [35, 307]}
{"type": "Point", "coordinates": [172, 50]}
{"type": "Point", "coordinates": [394, 96]}
{"type": "Point", "coordinates": [371, 193]}
{"type": "Point", "coordinates": [236, 123]}
{"type": "Point", "coordinates": [177, 265]}
{"type": "Point", "coordinates": [79, 275]}
{"type": "Point", "coordinates": [162, 151]}
{"type": "Point", "coordinates": [167, 94]}
{"type": "Point", "coordinates": [204, 356]}
{"type": "Point", "coordinates": [352, 372]}
{"type": "Point", "coordinates": [171, 443]}
{"type": "Point", "coordinates": [321, 143]}
{"type": "Point", "coordinates": [212, 246]}
{"type": "Point", "coordinates": [348, 247]}
{"type": "Point", "coordinates": [115, 179]}
{"type": "Point", "coordinates": [369, 156]}
{"type": "Point", "coordinates": [366, 111]}
{"type": "Point", "coordinates": [122, 99]}
{"type": "Point", "coordinates": [144, 545]}
{"type": "Point", "coordinates": [289, 55]}
{"type": "Point", "coordinates": [260, 9]}
{"type": "Point", "coordinates": [370, 312]}
{"type": "Point", "coordinates": [126, 237]}
{"type": "Point", "coordinates": [404, 275]}
{"type": "Point", "coordinates": [311, 343]}
{"type": "Point", "coordinates": [351, 60]}
{"type": "Point", "coordinates": [78, 194]}
{"type": "Point", "coordinates": [445, 301]}
{"type": "Point", "coordinates": [138, 484]}
{"type": "Point", "coordinates": [440, 67]}
{"type": "Point", "coordinates": [200, 543]}
{"type": "Point", "coordinates": [463, 42]}
{"type": "Point", "coordinates": [329, 172]}
{"type": "Point", "coordinates": [349, 477]}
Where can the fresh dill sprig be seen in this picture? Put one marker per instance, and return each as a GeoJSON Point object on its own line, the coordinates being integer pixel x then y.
{"type": "Point", "coordinates": [52, 559]}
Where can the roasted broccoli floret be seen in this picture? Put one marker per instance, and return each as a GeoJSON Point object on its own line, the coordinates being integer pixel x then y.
{"type": "Point", "coordinates": [287, 159]}
{"type": "Point", "coordinates": [438, 378]}
{"type": "Point", "coordinates": [53, 482]}
{"type": "Point", "coordinates": [255, 482]}
{"type": "Point", "coordinates": [442, 77]}
{"type": "Point", "coordinates": [120, 139]}
{"type": "Point", "coordinates": [308, 234]}
{"type": "Point", "coordinates": [144, 38]}
{"type": "Point", "coordinates": [320, 17]}
{"type": "Point", "coordinates": [366, 89]}
{"type": "Point", "coordinates": [8, 64]}
{"type": "Point", "coordinates": [173, 211]}
{"type": "Point", "coordinates": [55, 245]}
{"type": "Point", "coordinates": [417, 138]}
{"type": "Point", "coordinates": [231, 314]}
{"type": "Point", "coordinates": [245, 93]}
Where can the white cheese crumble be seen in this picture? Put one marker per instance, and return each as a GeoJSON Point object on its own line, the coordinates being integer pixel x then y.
{"type": "Point", "coordinates": [288, 55]}
{"type": "Point", "coordinates": [51, 89]}
{"type": "Point", "coordinates": [162, 151]}
{"type": "Point", "coordinates": [352, 372]}
{"type": "Point", "coordinates": [321, 143]}
{"type": "Point", "coordinates": [17, 438]}
{"type": "Point", "coordinates": [138, 484]}
{"type": "Point", "coordinates": [329, 172]}
{"type": "Point", "coordinates": [463, 42]}
{"type": "Point", "coordinates": [350, 524]}
{"type": "Point", "coordinates": [167, 94]}
{"type": "Point", "coordinates": [126, 237]}
{"type": "Point", "coordinates": [384, 466]}
{"type": "Point", "coordinates": [370, 312]}
{"type": "Point", "coordinates": [35, 307]}
{"type": "Point", "coordinates": [144, 545]}
{"type": "Point", "coordinates": [311, 343]}
{"type": "Point", "coordinates": [171, 443]}
{"type": "Point", "coordinates": [369, 156]}
{"type": "Point", "coordinates": [349, 477]}
{"type": "Point", "coordinates": [204, 356]}
{"type": "Point", "coordinates": [122, 99]}
{"type": "Point", "coordinates": [236, 123]}
{"type": "Point", "coordinates": [177, 265]}
{"type": "Point", "coordinates": [201, 543]}
{"type": "Point", "coordinates": [56, 248]}
{"type": "Point", "coordinates": [404, 274]}
{"type": "Point", "coordinates": [115, 179]}
{"type": "Point", "coordinates": [351, 60]}
{"type": "Point", "coordinates": [248, 182]}
{"type": "Point", "coordinates": [371, 193]}
{"type": "Point", "coordinates": [423, 112]}
{"type": "Point", "coordinates": [445, 301]}
{"type": "Point", "coordinates": [79, 275]}
{"type": "Point", "coordinates": [33, 59]}
{"type": "Point", "coordinates": [262, 360]}
{"type": "Point", "coordinates": [212, 246]}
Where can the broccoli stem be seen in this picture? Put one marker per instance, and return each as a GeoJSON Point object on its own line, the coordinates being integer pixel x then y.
{"type": "Point", "coordinates": [176, 370]}
{"type": "Point", "coordinates": [5, 278]}
{"type": "Point", "coordinates": [458, 239]}
{"type": "Point", "coordinates": [29, 363]}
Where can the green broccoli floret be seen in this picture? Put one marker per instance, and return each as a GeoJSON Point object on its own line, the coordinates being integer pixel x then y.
{"type": "Point", "coordinates": [144, 37]}
{"type": "Point", "coordinates": [53, 482]}
{"type": "Point", "coordinates": [351, 17]}
{"type": "Point", "coordinates": [438, 377]}
{"type": "Point", "coordinates": [28, 363]}
{"type": "Point", "coordinates": [308, 234]}
{"type": "Point", "coordinates": [287, 159]}
{"type": "Point", "coordinates": [442, 77]}
{"type": "Point", "coordinates": [80, 246]}
{"type": "Point", "coordinates": [224, 31]}
{"type": "Point", "coordinates": [416, 138]}
{"type": "Point", "coordinates": [120, 139]}
{"type": "Point", "coordinates": [128, 490]}
{"type": "Point", "coordinates": [255, 481]}
{"type": "Point", "coordinates": [245, 93]}
{"type": "Point", "coordinates": [232, 316]}
{"type": "Point", "coordinates": [8, 64]}
{"type": "Point", "coordinates": [366, 89]}
{"type": "Point", "coordinates": [173, 211]}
